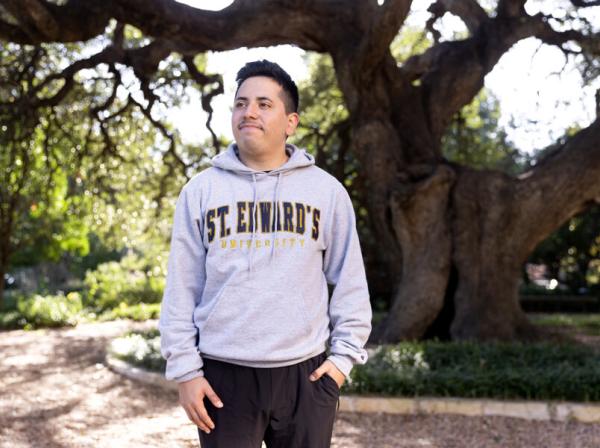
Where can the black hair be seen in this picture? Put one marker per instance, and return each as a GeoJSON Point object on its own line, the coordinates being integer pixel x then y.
{"type": "Point", "coordinates": [274, 71]}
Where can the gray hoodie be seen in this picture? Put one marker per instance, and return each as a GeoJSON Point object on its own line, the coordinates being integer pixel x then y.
{"type": "Point", "coordinates": [251, 288]}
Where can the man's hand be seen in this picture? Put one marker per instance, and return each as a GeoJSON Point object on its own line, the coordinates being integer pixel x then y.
{"type": "Point", "coordinates": [328, 368]}
{"type": "Point", "coordinates": [191, 397]}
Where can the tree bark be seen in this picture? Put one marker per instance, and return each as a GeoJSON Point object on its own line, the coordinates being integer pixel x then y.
{"type": "Point", "coordinates": [486, 301]}
{"type": "Point", "coordinates": [4, 257]}
{"type": "Point", "coordinates": [420, 224]}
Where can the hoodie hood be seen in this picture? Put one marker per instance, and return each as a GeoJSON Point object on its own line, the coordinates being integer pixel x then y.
{"type": "Point", "coordinates": [229, 160]}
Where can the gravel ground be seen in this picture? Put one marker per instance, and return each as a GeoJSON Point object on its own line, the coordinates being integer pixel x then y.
{"type": "Point", "coordinates": [55, 391]}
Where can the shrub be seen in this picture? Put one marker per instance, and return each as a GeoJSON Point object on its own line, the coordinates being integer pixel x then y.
{"type": "Point", "coordinates": [11, 320]}
{"type": "Point", "coordinates": [131, 281]}
{"type": "Point", "coordinates": [139, 312]}
{"type": "Point", "coordinates": [9, 301]}
{"type": "Point", "coordinates": [141, 349]}
{"type": "Point", "coordinates": [496, 370]}
{"type": "Point", "coordinates": [37, 311]}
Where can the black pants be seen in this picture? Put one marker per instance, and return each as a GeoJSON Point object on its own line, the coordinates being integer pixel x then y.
{"type": "Point", "coordinates": [279, 405]}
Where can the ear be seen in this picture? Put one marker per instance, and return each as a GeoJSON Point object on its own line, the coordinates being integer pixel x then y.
{"type": "Point", "coordinates": [292, 123]}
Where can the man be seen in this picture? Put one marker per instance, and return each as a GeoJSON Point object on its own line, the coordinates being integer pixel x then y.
{"type": "Point", "coordinates": [248, 330]}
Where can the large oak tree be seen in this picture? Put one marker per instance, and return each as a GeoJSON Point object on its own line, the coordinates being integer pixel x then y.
{"type": "Point", "coordinates": [449, 234]}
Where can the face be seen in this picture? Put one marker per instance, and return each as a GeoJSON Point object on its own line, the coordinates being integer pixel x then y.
{"type": "Point", "coordinates": [259, 121]}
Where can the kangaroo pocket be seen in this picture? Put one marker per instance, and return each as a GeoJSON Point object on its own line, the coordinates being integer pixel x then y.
{"type": "Point", "coordinates": [250, 324]}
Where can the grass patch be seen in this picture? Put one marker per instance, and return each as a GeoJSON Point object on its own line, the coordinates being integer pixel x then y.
{"type": "Point", "coordinates": [586, 323]}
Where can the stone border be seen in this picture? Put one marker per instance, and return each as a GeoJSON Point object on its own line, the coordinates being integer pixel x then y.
{"type": "Point", "coordinates": [138, 374]}
{"type": "Point", "coordinates": [530, 410]}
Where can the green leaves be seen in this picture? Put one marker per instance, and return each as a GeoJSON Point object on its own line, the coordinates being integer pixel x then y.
{"type": "Point", "coordinates": [474, 138]}
{"type": "Point", "coordinates": [498, 370]}
{"type": "Point", "coordinates": [132, 280]}
{"type": "Point", "coordinates": [141, 348]}
{"type": "Point", "coordinates": [38, 311]}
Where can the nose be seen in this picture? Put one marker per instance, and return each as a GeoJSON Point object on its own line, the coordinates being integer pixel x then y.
{"type": "Point", "coordinates": [250, 110]}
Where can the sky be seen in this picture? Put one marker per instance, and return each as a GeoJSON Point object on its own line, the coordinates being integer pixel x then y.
{"type": "Point", "coordinates": [539, 94]}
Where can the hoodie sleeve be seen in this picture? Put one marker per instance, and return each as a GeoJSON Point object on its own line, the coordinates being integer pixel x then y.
{"type": "Point", "coordinates": [186, 275]}
{"type": "Point", "coordinates": [349, 307]}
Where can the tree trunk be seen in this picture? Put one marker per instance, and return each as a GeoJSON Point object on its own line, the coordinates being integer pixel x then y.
{"type": "Point", "coordinates": [485, 221]}
{"type": "Point", "coordinates": [2, 272]}
{"type": "Point", "coordinates": [3, 269]}
{"type": "Point", "coordinates": [420, 223]}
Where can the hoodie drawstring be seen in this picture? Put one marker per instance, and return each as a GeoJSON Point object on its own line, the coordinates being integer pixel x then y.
{"type": "Point", "coordinates": [276, 211]}
{"type": "Point", "coordinates": [276, 216]}
{"type": "Point", "coordinates": [253, 219]}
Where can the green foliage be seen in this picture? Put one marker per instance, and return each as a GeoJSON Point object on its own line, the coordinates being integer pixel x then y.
{"type": "Point", "coordinates": [587, 323]}
{"type": "Point", "coordinates": [99, 253]}
{"type": "Point", "coordinates": [471, 370]}
{"type": "Point", "coordinates": [410, 41]}
{"type": "Point", "coordinates": [52, 227]}
{"type": "Point", "coordinates": [474, 138]}
{"type": "Point", "coordinates": [69, 177]}
{"type": "Point", "coordinates": [138, 312]}
{"type": "Point", "coordinates": [38, 311]}
{"type": "Point", "coordinates": [11, 320]}
{"type": "Point", "coordinates": [10, 301]}
{"type": "Point", "coordinates": [572, 253]}
{"type": "Point", "coordinates": [140, 348]}
{"type": "Point", "coordinates": [323, 127]}
{"type": "Point", "coordinates": [37, 156]}
{"type": "Point", "coordinates": [132, 280]}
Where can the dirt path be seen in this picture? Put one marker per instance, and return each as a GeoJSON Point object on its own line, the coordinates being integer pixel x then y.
{"type": "Point", "coordinates": [55, 391]}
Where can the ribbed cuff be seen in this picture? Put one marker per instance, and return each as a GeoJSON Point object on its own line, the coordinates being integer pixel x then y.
{"type": "Point", "coordinates": [343, 363]}
{"type": "Point", "coordinates": [189, 376]}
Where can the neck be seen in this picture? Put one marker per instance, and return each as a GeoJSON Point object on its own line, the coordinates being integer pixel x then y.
{"type": "Point", "coordinates": [264, 161]}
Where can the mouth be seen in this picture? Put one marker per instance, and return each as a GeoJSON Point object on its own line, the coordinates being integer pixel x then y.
{"type": "Point", "coordinates": [248, 125]}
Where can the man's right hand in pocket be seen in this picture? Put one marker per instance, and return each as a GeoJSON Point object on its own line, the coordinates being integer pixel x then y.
{"type": "Point", "coordinates": [191, 398]}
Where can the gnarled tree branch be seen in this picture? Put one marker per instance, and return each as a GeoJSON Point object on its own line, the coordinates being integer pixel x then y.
{"type": "Point", "coordinates": [470, 12]}
{"type": "Point", "coordinates": [560, 185]}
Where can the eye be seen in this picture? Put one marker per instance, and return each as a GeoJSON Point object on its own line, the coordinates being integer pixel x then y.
{"type": "Point", "coordinates": [265, 105]}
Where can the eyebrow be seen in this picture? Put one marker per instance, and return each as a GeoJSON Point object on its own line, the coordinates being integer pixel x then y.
{"type": "Point", "coordinates": [260, 98]}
